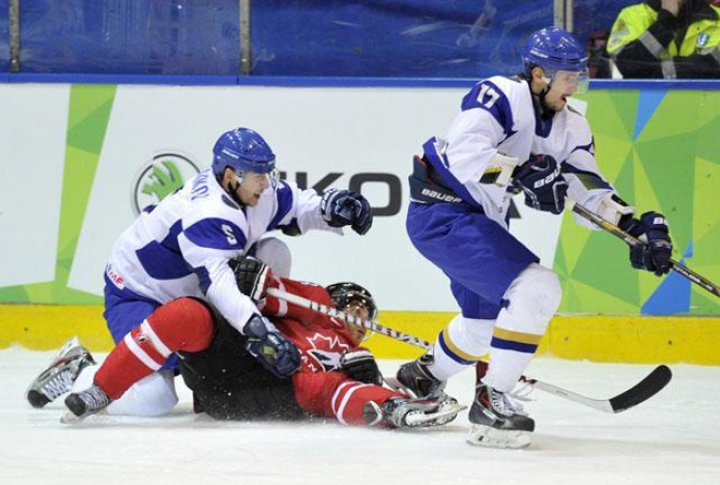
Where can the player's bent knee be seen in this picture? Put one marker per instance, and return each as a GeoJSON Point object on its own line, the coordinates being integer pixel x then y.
{"type": "Point", "coordinates": [183, 324]}
{"type": "Point", "coordinates": [534, 297]}
{"type": "Point", "coordinates": [276, 254]}
{"type": "Point", "coordinates": [152, 396]}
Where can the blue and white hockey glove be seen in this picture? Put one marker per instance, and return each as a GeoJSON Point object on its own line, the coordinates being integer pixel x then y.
{"type": "Point", "coordinates": [542, 182]}
{"type": "Point", "coordinates": [654, 254]}
{"type": "Point", "coordinates": [346, 208]}
{"type": "Point", "coordinates": [271, 348]}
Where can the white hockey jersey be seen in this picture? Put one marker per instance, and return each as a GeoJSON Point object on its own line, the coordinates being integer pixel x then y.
{"type": "Point", "coordinates": [181, 246]}
{"type": "Point", "coordinates": [499, 116]}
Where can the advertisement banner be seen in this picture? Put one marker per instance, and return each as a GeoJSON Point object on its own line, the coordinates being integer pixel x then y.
{"type": "Point", "coordinates": [128, 146]}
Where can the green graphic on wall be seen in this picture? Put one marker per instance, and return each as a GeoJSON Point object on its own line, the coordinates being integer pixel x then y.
{"type": "Point", "coordinates": [660, 150]}
{"type": "Point", "coordinates": [89, 111]}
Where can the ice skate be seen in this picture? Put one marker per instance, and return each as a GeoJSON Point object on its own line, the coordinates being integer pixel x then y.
{"type": "Point", "coordinates": [497, 422]}
{"type": "Point", "coordinates": [416, 378]}
{"type": "Point", "coordinates": [82, 404]}
{"type": "Point", "coordinates": [400, 412]}
{"type": "Point", "coordinates": [59, 377]}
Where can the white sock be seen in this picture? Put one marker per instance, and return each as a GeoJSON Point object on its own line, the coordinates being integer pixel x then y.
{"type": "Point", "coordinates": [460, 345]}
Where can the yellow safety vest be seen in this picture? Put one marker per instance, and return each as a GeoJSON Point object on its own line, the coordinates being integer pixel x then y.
{"type": "Point", "coordinates": [702, 36]}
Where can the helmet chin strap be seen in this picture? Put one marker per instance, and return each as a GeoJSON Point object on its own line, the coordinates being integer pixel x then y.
{"type": "Point", "coordinates": [541, 99]}
{"type": "Point", "coordinates": [232, 189]}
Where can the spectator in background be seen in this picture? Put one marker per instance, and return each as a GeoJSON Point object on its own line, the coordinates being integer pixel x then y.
{"type": "Point", "coordinates": [598, 59]}
{"type": "Point", "coordinates": [668, 39]}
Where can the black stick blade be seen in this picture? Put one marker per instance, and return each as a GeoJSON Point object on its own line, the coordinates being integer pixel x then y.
{"type": "Point", "coordinates": [643, 390]}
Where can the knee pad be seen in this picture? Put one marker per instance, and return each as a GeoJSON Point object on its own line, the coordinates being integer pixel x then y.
{"type": "Point", "coordinates": [470, 334]}
{"type": "Point", "coordinates": [276, 254]}
{"type": "Point", "coordinates": [182, 324]}
{"type": "Point", "coordinates": [534, 297]}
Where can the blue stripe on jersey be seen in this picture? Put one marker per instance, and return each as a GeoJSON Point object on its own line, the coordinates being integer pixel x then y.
{"type": "Point", "coordinates": [163, 260]}
{"type": "Point", "coordinates": [204, 276]}
{"type": "Point", "coordinates": [440, 163]}
{"type": "Point", "coordinates": [499, 343]}
{"type": "Point", "coordinates": [590, 147]}
{"type": "Point", "coordinates": [488, 96]}
{"type": "Point", "coordinates": [590, 180]}
{"type": "Point", "coordinates": [543, 123]}
{"type": "Point", "coordinates": [284, 197]}
{"type": "Point", "coordinates": [216, 233]}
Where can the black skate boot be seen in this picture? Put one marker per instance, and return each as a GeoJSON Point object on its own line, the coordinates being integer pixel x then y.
{"type": "Point", "coordinates": [58, 379]}
{"type": "Point", "coordinates": [82, 404]}
{"type": "Point", "coordinates": [401, 412]}
{"type": "Point", "coordinates": [417, 378]}
{"type": "Point", "coordinates": [497, 421]}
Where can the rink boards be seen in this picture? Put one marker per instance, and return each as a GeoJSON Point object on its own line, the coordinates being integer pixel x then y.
{"type": "Point", "coordinates": [621, 339]}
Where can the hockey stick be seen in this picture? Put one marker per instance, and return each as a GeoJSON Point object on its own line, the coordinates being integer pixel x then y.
{"type": "Point", "coordinates": [642, 391]}
{"type": "Point", "coordinates": [632, 241]}
{"type": "Point", "coordinates": [335, 313]}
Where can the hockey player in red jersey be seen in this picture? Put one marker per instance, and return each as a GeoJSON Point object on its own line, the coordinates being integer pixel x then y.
{"type": "Point", "coordinates": [337, 378]}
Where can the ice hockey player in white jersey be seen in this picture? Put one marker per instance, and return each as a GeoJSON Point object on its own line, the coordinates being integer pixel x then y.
{"type": "Point", "coordinates": [175, 256]}
{"type": "Point", "coordinates": [513, 134]}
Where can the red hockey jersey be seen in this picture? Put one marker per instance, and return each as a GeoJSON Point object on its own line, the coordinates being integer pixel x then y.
{"type": "Point", "coordinates": [320, 387]}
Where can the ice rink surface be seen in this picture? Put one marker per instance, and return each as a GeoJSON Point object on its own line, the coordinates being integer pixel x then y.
{"type": "Point", "coordinates": [674, 438]}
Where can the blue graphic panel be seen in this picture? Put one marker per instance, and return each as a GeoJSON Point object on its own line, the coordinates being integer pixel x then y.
{"type": "Point", "coordinates": [648, 101]}
{"type": "Point", "coordinates": [130, 37]}
{"type": "Point", "coordinates": [673, 294]}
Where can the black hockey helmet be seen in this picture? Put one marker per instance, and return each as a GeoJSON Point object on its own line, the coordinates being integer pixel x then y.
{"type": "Point", "coordinates": [345, 293]}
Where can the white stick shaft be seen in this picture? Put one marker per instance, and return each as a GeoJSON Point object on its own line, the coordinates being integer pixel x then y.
{"type": "Point", "coordinates": [599, 404]}
{"type": "Point", "coordinates": [335, 313]}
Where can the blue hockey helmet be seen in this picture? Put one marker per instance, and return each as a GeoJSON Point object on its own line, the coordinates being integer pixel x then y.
{"type": "Point", "coordinates": [244, 150]}
{"type": "Point", "coordinates": [554, 49]}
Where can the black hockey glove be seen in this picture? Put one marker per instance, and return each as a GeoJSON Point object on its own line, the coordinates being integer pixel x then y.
{"type": "Point", "coordinates": [654, 254]}
{"type": "Point", "coordinates": [271, 348]}
{"type": "Point", "coordinates": [361, 366]}
{"type": "Point", "coordinates": [252, 275]}
{"type": "Point", "coordinates": [544, 186]}
{"type": "Point", "coordinates": [346, 208]}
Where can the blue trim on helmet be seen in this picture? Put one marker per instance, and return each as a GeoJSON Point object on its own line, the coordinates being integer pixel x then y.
{"type": "Point", "coordinates": [244, 150]}
{"type": "Point", "coordinates": [554, 49]}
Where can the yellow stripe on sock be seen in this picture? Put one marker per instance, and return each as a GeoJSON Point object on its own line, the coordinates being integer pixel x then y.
{"type": "Point", "coordinates": [455, 349]}
{"type": "Point", "coordinates": [511, 335]}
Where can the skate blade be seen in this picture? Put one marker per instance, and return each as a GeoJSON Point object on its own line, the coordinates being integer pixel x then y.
{"type": "Point", "coordinates": [488, 437]}
{"type": "Point", "coordinates": [439, 418]}
{"type": "Point", "coordinates": [70, 418]}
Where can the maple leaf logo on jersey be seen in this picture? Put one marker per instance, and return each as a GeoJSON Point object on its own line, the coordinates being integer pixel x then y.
{"type": "Point", "coordinates": [325, 351]}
